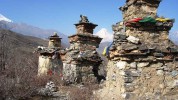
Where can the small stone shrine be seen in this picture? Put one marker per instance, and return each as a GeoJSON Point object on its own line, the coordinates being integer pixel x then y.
{"type": "Point", "coordinates": [82, 60]}
{"type": "Point", "coordinates": [49, 60]}
{"type": "Point", "coordinates": [143, 61]}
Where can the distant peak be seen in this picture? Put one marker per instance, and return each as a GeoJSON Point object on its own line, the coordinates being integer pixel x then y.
{"type": "Point", "coordinates": [3, 18]}
{"type": "Point", "coordinates": [103, 33]}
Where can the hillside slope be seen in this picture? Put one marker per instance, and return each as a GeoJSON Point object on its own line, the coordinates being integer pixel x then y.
{"type": "Point", "coordinates": [17, 41]}
{"type": "Point", "coordinates": [17, 49]}
{"type": "Point", "coordinates": [30, 30]}
{"type": "Point", "coordinates": [18, 64]}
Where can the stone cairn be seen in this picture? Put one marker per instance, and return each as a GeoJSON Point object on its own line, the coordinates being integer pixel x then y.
{"type": "Point", "coordinates": [143, 61]}
{"type": "Point", "coordinates": [49, 60]}
{"type": "Point", "coordinates": [81, 59]}
{"type": "Point", "coordinates": [49, 90]}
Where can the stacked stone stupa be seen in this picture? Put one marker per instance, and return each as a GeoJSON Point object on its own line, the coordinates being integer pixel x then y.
{"type": "Point", "coordinates": [50, 62]}
{"type": "Point", "coordinates": [82, 60]}
{"type": "Point", "coordinates": [143, 61]}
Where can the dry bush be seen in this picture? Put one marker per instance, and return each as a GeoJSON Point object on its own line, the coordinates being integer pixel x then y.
{"type": "Point", "coordinates": [17, 80]}
{"type": "Point", "coordinates": [20, 81]}
{"type": "Point", "coordinates": [42, 80]}
{"type": "Point", "coordinates": [18, 68]}
{"type": "Point", "coordinates": [83, 92]}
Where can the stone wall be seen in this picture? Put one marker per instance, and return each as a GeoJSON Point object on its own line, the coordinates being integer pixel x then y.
{"type": "Point", "coordinates": [140, 80]}
{"type": "Point", "coordinates": [81, 67]}
{"type": "Point", "coordinates": [142, 66]}
{"type": "Point", "coordinates": [46, 64]}
{"type": "Point", "coordinates": [69, 72]}
{"type": "Point", "coordinates": [139, 9]}
{"type": "Point", "coordinates": [43, 64]}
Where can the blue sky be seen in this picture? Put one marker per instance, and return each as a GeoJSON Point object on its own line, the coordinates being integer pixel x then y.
{"type": "Point", "coordinates": [62, 14]}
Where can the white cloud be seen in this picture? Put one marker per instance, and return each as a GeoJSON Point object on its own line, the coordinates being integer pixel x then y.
{"type": "Point", "coordinates": [103, 33]}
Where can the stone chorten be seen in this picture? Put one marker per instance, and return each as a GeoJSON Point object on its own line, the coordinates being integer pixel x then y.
{"type": "Point", "coordinates": [49, 60]}
{"type": "Point", "coordinates": [54, 41]}
{"type": "Point", "coordinates": [143, 61]}
{"type": "Point", "coordinates": [82, 60]}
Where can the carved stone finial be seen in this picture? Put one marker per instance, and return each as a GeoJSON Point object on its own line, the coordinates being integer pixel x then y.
{"type": "Point", "coordinates": [55, 33]}
{"type": "Point", "coordinates": [84, 19]}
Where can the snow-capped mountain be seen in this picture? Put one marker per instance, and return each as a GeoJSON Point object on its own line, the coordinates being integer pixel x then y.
{"type": "Point", "coordinates": [30, 30]}
{"type": "Point", "coordinates": [103, 33]}
{"type": "Point", "coordinates": [3, 18]}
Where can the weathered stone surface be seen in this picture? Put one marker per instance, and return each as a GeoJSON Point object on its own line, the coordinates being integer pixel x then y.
{"type": "Point", "coordinates": [133, 39]}
{"type": "Point", "coordinates": [69, 72]}
{"type": "Point", "coordinates": [129, 87]}
{"type": "Point", "coordinates": [135, 73]}
{"type": "Point", "coordinates": [133, 65]}
{"type": "Point", "coordinates": [129, 47]}
{"type": "Point", "coordinates": [143, 47]}
{"type": "Point", "coordinates": [174, 73]}
{"type": "Point", "coordinates": [160, 72]}
{"type": "Point", "coordinates": [172, 84]}
{"type": "Point", "coordinates": [127, 96]}
{"type": "Point", "coordinates": [121, 64]}
{"type": "Point", "coordinates": [122, 73]}
{"type": "Point", "coordinates": [119, 47]}
{"type": "Point", "coordinates": [157, 65]}
{"type": "Point", "coordinates": [143, 64]}
{"type": "Point", "coordinates": [128, 79]}
{"type": "Point", "coordinates": [114, 77]}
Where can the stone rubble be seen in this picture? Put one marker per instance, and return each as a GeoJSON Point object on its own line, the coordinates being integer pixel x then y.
{"type": "Point", "coordinates": [49, 90]}
{"type": "Point", "coordinates": [52, 92]}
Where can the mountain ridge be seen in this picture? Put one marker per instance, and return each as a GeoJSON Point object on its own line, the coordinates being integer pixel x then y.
{"type": "Point", "coordinates": [3, 18]}
{"type": "Point", "coordinates": [30, 30]}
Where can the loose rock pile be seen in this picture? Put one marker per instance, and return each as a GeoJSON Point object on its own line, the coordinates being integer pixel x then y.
{"type": "Point", "coordinates": [49, 90]}
{"type": "Point", "coordinates": [143, 61]}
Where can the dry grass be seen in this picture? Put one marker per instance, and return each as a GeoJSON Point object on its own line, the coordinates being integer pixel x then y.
{"type": "Point", "coordinates": [80, 92]}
